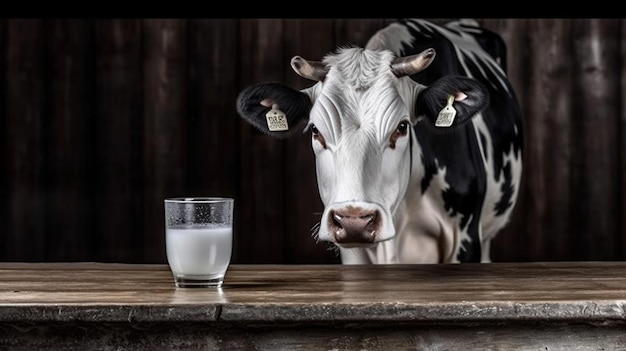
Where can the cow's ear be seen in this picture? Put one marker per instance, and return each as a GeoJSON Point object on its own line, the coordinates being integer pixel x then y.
{"type": "Point", "coordinates": [466, 96]}
{"type": "Point", "coordinates": [287, 108]}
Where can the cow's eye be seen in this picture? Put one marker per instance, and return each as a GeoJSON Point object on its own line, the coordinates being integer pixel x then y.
{"type": "Point", "coordinates": [402, 129]}
{"type": "Point", "coordinates": [314, 131]}
{"type": "Point", "coordinates": [317, 135]}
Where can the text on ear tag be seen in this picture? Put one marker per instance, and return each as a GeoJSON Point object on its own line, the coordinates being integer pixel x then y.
{"type": "Point", "coordinates": [447, 114]}
{"type": "Point", "coordinates": [276, 119]}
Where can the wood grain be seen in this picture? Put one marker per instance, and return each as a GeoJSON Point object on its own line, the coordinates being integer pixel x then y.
{"type": "Point", "coordinates": [213, 168]}
{"type": "Point", "coordinates": [164, 124]}
{"type": "Point", "coordinates": [118, 141]}
{"type": "Point", "coordinates": [514, 291]}
{"type": "Point", "coordinates": [499, 306]}
{"type": "Point", "coordinates": [597, 136]}
{"type": "Point", "coordinates": [25, 121]}
{"type": "Point", "coordinates": [70, 138]}
{"type": "Point", "coordinates": [262, 159]}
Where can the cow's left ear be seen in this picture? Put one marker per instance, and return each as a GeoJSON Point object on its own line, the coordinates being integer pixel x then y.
{"type": "Point", "coordinates": [466, 96]}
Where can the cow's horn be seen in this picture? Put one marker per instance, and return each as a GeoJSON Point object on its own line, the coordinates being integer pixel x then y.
{"type": "Point", "coordinates": [313, 70]}
{"type": "Point", "coordinates": [409, 65]}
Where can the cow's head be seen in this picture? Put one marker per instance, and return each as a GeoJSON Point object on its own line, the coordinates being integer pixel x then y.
{"type": "Point", "coordinates": [361, 114]}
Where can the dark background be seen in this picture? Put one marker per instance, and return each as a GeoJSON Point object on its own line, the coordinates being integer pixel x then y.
{"type": "Point", "coordinates": [101, 119]}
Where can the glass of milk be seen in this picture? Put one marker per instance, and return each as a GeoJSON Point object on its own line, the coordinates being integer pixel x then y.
{"type": "Point", "coordinates": [199, 239]}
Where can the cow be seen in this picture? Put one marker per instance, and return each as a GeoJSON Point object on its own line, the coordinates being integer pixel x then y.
{"type": "Point", "coordinates": [417, 136]}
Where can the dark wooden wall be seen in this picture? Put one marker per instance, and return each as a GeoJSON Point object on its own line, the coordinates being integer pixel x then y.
{"type": "Point", "coordinates": [100, 120]}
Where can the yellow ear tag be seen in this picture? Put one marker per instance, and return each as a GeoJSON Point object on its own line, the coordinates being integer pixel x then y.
{"type": "Point", "coordinates": [276, 120]}
{"type": "Point", "coordinates": [447, 114]}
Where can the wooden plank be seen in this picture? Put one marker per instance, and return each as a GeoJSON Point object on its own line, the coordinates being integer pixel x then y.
{"type": "Point", "coordinates": [69, 163]}
{"type": "Point", "coordinates": [263, 210]}
{"type": "Point", "coordinates": [213, 127]}
{"type": "Point", "coordinates": [349, 337]}
{"type": "Point", "coordinates": [165, 130]}
{"type": "Point", "coordinates": [556, 306]}
{"type": "Point", "coordinates": [118, 126]}
{"type": "Point", "coordinates": [598, 106]}
{"type": "Point", "coordinates": [4, 135]}
{"type": "Point", "coordinates": [311, 39]}
{"type": "Point", "coordinates": [566, 291]}
{"type": "Point", "coordinates": [25, 234]}
{"type": "Point", "coordinates": [548, 161]}
{"type": "Point", "coordinates": [621, 241]}
{"type": "Point", "coordinates": [213, 136]}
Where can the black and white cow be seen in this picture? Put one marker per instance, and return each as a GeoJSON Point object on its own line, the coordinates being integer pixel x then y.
{"type": "Point", "coordinates": [418, 157]}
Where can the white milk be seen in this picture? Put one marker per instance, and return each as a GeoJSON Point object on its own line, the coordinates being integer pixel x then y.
{"type": "Point", "coordinates": [199, 249]}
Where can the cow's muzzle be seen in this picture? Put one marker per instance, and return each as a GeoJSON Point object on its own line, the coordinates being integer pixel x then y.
{"type": "Point", "coordinates": [354, 225]}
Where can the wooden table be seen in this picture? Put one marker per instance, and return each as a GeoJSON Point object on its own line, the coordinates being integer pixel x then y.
{"type": "Point", "coordinates": [497, 306]}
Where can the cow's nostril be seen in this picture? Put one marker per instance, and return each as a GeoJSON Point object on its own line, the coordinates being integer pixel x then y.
{"type": "Point", "coordinates": [337, 218]}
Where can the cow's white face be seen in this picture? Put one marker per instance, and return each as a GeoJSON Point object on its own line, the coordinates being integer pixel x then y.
{"type": "Point", "coordinates": [361, 129]}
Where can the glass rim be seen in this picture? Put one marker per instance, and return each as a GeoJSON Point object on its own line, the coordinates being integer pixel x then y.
{"type": "Point", "coordinates": [198, 199]}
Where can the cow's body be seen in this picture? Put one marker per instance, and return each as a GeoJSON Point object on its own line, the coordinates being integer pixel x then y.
{"type": "Point", "coordinates": [396, 187]}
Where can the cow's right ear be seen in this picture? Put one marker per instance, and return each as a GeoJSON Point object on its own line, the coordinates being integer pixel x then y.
{"type": "Point", "coordinates": [276, 99]}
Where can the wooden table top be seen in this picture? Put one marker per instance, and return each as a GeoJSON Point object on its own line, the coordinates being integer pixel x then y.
{"type": "Point", "coordinates": [586, 291]}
